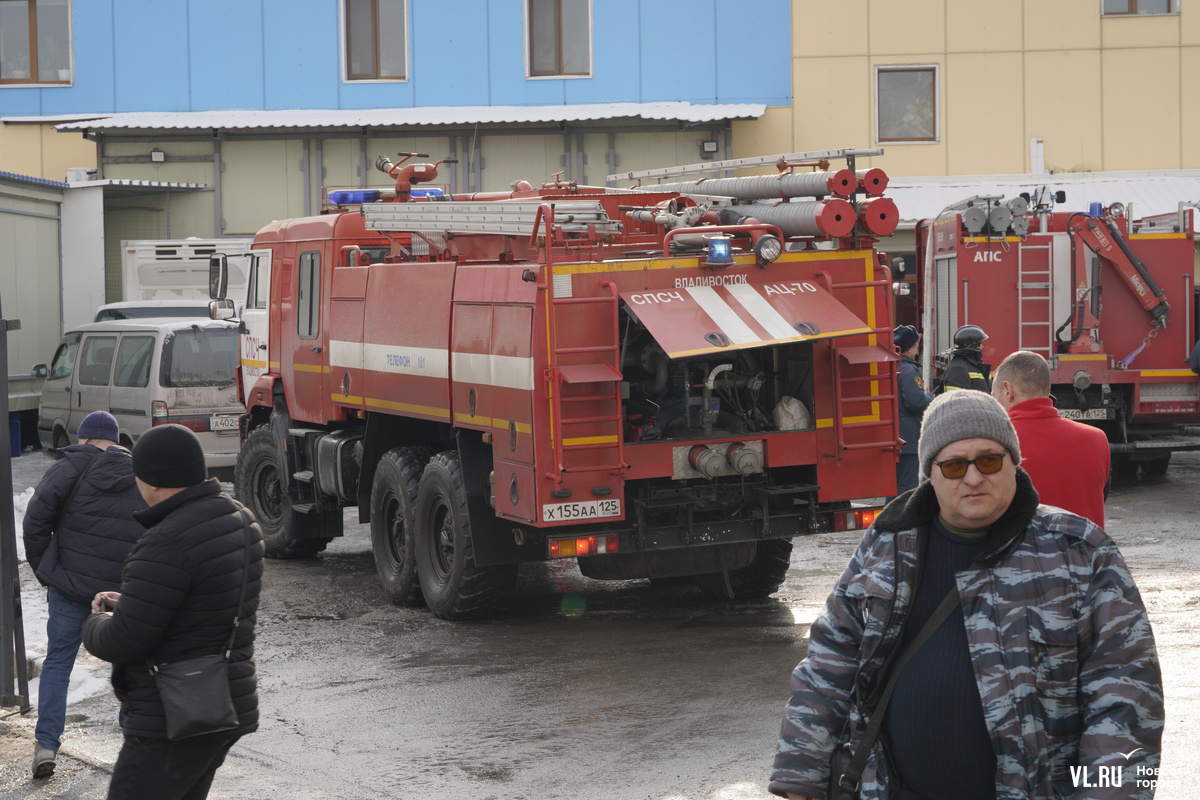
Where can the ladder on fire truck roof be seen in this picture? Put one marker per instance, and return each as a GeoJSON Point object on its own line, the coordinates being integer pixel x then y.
{"type": "Point", "coordinates": [504, 217]}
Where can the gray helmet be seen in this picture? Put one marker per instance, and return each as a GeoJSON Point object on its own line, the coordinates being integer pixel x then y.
{"type": "Point", "coordinates": [969, 336]}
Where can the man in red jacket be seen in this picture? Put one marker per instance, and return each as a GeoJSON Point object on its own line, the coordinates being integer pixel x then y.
{"type": "Point", "coordinates": [1067, 460]}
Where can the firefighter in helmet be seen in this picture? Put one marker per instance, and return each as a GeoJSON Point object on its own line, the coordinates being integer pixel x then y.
{"type": "Point", "coordinates": [966, 369]}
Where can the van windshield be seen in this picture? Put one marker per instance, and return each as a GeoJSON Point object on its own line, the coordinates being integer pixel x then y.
{"type": "Point", "coordinates": [199, 357]}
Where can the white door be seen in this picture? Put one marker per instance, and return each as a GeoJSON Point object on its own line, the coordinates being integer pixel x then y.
{"type": "Point", "coordinates": [255, 351]}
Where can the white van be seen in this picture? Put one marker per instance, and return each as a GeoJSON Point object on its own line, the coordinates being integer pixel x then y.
{"type": "Point", "coordinates": [146, 372]}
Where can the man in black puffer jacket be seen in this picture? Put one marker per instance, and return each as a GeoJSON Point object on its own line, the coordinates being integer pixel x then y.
{"type": "Point", "coordinates": [78, 529]}
{"type": "Point", "coordinates": [178, 599]}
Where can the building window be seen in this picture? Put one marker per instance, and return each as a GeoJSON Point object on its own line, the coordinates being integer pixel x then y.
{"type": "Point", "coordinates": [558, 36]}
{"type": "Point", "coordinates": [376, 40]}
{"type": "Point", "coordinates": [35, 41]}
{"type": "Point", "coordinates": [1117, 8]}
{"type": "Point", "coordinates": [906, 103]}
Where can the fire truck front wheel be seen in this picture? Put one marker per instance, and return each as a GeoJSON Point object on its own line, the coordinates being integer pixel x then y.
{"type": "Point", "coordinates": [393, 511]}
{"type": "Point", "coordinates": [454, 588]}
{"type": "Point", "coordinates": [257, 482]}
{"type": "Point", "coordinates": [761, 577]}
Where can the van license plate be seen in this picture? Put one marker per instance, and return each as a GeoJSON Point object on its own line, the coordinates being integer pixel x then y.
{"type": "Point", "coordinates": [223, 422]}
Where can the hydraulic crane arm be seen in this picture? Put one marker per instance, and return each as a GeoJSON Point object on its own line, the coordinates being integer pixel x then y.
{"type": "Point", "coordinates": [1103, 237]}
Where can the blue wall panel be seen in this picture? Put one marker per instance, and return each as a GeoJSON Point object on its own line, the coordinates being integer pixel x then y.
{"type": "Point", "coordinates": [150, 44]}
{"type": "Point", "coordinates": [765, 78]}
{"type": "Point", "coordinates": [450, 52]}
{"type": "Point", "coordinates": [194, 55]}
{"type": "Point", "coordinates": [300, 54]}
{"type": "Point", "coordinates": [679, 62]}
{"type": "Point", "coordinates": [225, 54]}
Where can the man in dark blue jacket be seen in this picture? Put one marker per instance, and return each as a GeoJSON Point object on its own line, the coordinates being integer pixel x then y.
{"type": "Point", "coordinates": [76, 540]}
{"type": "Point", "coordinates": [913, 402]}
{"type": "Point", "coordinates": [178, 600]}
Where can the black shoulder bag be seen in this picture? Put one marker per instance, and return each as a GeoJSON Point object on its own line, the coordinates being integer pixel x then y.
{"type": "Point", "coordinates": [195, 692]}
{"type": "Point", "coordinates": [847, 765]}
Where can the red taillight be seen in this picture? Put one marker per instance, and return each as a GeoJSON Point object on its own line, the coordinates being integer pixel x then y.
{"type": "Point", "coordinates": [583, 546]}
{"type": "Point", "coordinates": [855, 519]}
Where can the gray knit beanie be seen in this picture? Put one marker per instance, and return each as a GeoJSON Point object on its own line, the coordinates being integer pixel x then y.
{"type": "Point", "coordinates": [964, 414]}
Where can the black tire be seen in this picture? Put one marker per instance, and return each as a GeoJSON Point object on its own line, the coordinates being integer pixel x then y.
{"type": "Point", "coordinates": [1123, 468]}
{"type": "Point", "coordinates": [1156, 468]}
{"type": "Point", "coordinates": [454, 588]}
{"type": "Point", "coordinates": [257, 482]}
{"type": "Point", "coordinates": [393, 516]}
{"type": "Point", "coordinates": [760, 578]}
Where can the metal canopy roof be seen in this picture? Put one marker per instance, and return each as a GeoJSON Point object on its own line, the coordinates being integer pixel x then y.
{"type": "Point", "coordinates": [126, 187]}
{"type": "Point", "coordinates": [258, 120]}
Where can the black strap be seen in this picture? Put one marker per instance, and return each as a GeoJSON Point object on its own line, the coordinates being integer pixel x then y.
{"type": "Point", "coordinates": [849, 780]}
{"type": "Point", "coordinates": [237, 612]}
{"type": "Point", "coordinates": [62, 507]}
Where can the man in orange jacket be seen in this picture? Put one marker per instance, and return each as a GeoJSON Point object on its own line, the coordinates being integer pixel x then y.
{"type": "Point", "coordinates": [1067, 460]}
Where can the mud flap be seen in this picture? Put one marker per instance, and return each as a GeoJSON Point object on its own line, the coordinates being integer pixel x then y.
{"type": "Point", "coordinates": [492, 538]}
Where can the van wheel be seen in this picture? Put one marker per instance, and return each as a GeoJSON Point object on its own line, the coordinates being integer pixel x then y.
{"type": "Point", "coordinates": [454, 588]}
{"type": "Point", "coordinates": [61, 439]}
{"type": "Point", "coordinates": [258, 483]}
{"type": "Point", "coordinates": [393, 514]}
{"type": "Point", "coordinates": [761, 577]}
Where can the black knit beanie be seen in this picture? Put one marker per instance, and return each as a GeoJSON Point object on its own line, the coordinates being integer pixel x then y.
{"type": "Point", "coordinates": [169, 457]}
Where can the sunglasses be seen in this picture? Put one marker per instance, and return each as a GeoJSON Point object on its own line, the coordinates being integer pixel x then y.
{"type": "Point", "coordinates": [955, 468]}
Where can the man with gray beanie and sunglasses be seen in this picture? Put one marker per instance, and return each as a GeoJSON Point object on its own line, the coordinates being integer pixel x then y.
{"type": "Point", "coordinates": [977, 645]}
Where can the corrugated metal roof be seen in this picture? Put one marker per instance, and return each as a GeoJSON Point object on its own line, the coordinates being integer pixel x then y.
{"type": "Point", "coordinates": [124, 187]}
{"type": "Point", "coordinates": [12, 176]}
{"type": "Point", "coordinates": [426, 116]}
{"type": "Point", "coordinates": [1150, 192]}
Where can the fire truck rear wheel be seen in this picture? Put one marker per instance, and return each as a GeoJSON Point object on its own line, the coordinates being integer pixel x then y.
{"type": "Point", "coordinates": [760, 578]}
{"type": "Point", "coordinates": [454, 588]}
{"type": "Point", "coordinates": [393, 514]}
{"type": "Point", "coordinates": [257, 483]}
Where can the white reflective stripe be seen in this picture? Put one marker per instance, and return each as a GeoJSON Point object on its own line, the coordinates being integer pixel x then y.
{"type": "Point", "coordinates": [347, 355]}
{"type": "Point", "coordinates": [429, 362]}
{"type": "Point", "coordinates": [726, 318]}
{"type": "Point", "coordinates": [762, 311]}
{"type": "Point", "coordinates": [511, 372]}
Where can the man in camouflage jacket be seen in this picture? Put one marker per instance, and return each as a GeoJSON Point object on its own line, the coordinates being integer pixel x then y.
{"type": "Point", "coordinates": [1058, 644]}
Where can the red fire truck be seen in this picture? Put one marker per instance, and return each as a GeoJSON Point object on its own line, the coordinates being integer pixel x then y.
{"type": "Point", "coordinates": [1108, 300]}
{"type": "Point", "coordinates": [656, 382]}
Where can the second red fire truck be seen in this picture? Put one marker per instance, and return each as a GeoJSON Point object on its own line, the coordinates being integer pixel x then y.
{"type": "Point", "coordinates": [1110, 302]}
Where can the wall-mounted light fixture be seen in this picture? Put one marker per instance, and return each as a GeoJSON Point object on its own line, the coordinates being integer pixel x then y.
{"type": "Point", "coordinates": [708, 149]}
{"type": "Point", "coordinates": [157, 155]}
